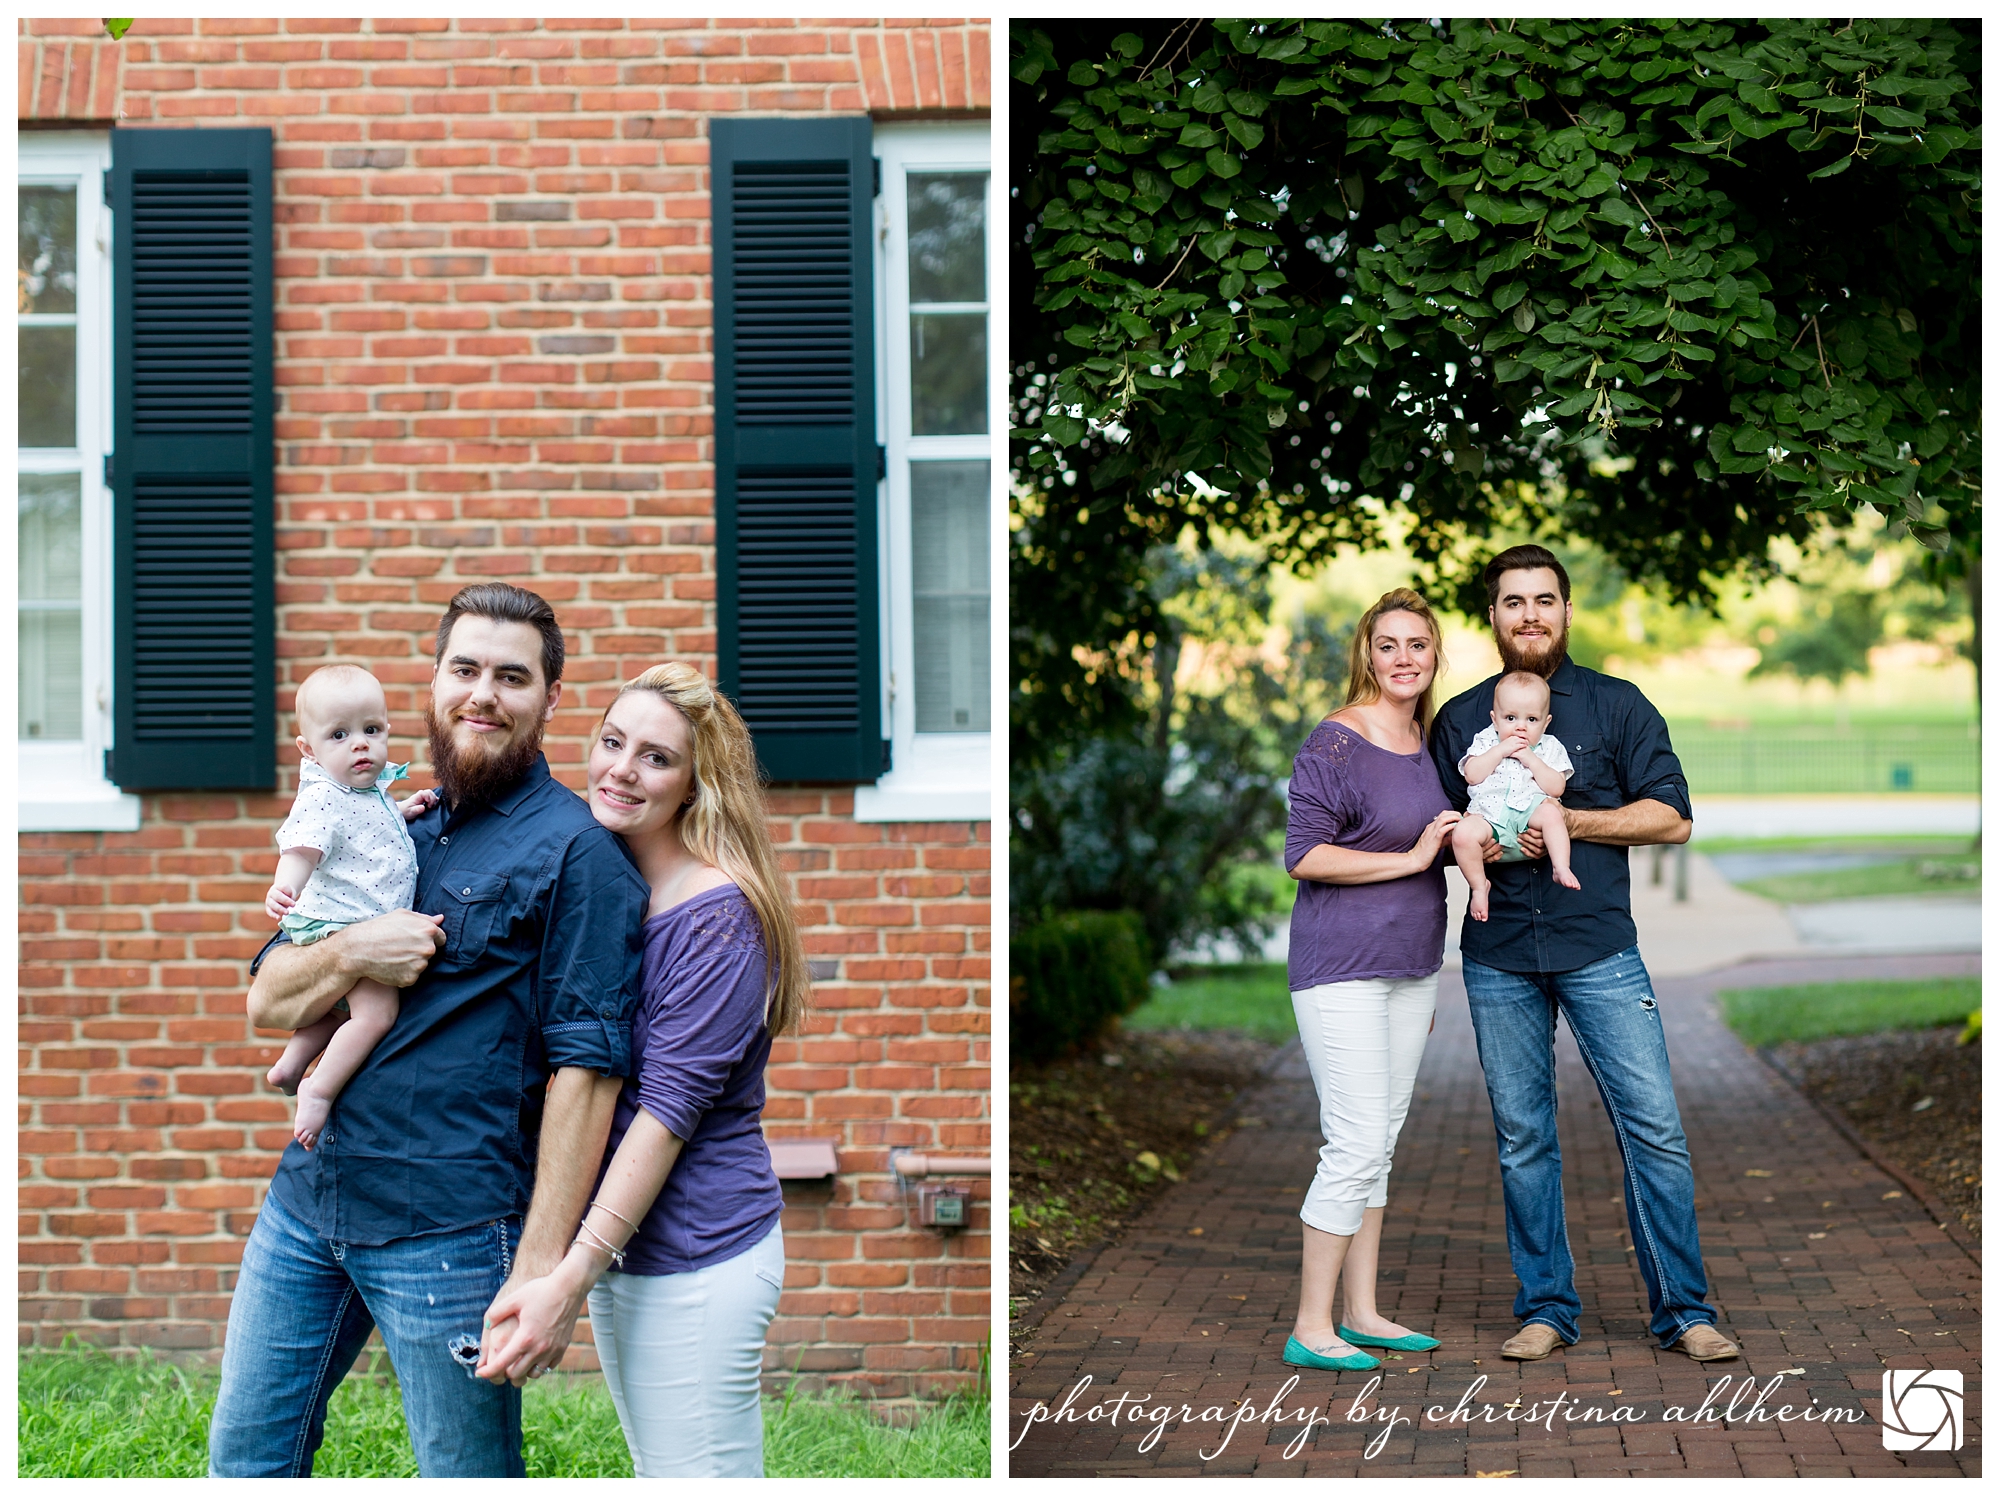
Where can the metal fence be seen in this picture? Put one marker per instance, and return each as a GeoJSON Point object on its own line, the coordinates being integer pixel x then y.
{"type": "Point", "coordinates": [1752, 762]}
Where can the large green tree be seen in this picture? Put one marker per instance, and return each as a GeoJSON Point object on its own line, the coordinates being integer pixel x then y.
{"type": "Point", "coordinates": [1675, 287]}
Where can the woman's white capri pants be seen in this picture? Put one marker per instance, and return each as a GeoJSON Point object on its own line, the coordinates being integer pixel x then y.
{"type": "Point", "coordinates": [1363, 1040]}
{"type": "Point", "coordinates": [683, 1354]}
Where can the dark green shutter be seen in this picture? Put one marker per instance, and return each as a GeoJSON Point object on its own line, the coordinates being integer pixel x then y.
{"type": "Point", "coordinates": [795, 455]}
{"type": "Point", "coordinates": [194, 672]}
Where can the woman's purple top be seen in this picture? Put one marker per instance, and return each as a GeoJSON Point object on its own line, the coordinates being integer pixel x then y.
{"type": "Point", "coordinates": [701, 1045]}
{"type": "Point", "coordinates": [1346, 792]}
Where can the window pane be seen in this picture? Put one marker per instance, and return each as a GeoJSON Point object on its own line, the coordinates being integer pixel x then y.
{"type": "Point", "coordinates": [948, 374]}
{"type": "Point", "coordinates": [48, 387]}
{"type": "Point", "coordinates": [947, 236]}
{"type": "Point", "coordinates": [51, 535]}
{"type": "Point", "coordinates": [48, 250]}
{"type": "Point", "coordinates": [949, 521]}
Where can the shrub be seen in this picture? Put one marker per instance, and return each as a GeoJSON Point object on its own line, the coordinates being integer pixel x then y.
{"type": "Point", "coordinates": [1073, 974]}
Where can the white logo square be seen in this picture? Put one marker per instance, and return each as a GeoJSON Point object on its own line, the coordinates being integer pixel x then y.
{"type": "Point", "coordinates": [1923, 1409]}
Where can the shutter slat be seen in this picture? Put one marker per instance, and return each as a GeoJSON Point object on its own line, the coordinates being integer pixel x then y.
{"type": "Point", "coordinates": [195, 690]}
{"type": "Point", "coordinates": [796, 541]}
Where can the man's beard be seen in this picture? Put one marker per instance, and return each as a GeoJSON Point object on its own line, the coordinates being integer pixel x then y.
{"type": "Point", "coordinates": [1543, 661]}
{"type": "Point", "coordinates": [479, 774]}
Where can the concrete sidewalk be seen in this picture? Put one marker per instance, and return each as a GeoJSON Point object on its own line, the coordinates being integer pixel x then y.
{"type": "Point", "coordinates": [1819, 1265]}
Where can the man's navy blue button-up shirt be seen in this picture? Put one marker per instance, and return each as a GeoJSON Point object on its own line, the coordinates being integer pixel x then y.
{"type": "Point", "coordinates": [1617, 741]}
{"type": "Point", "coordinates": [543, 910]}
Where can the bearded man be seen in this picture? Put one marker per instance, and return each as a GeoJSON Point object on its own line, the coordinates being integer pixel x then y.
{"type": "Point", "coordinates": [1547, 949]}
{"type": "Point", "coordinates": [460, 1157]}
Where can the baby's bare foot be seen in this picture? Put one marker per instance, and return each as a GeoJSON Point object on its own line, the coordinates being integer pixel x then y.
{"type": "Point", "coordinates": [1478, 908]}
{"type": "Point", "coordinates": [285, 1076]}
{"type": "Point", "coordinates": [1565, 877]}
{"type": "Point", "coordinates": [313, 1110]}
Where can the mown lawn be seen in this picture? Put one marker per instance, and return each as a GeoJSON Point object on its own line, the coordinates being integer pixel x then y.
{"type": "Point", "coordinates": [1251, 999]}
{"type": "Point", "coordinates": [1915, 875]}
{"type": "Point", "coordinates": [1772, 1015]}
{"type": "Point", "coordinates": [85, 1413]}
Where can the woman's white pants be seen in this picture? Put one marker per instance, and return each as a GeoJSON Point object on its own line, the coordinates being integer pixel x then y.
{"type": "Point", "coordinates": [683, 1356]}
{"type": "Point", "coordinates": [1363, 1041]}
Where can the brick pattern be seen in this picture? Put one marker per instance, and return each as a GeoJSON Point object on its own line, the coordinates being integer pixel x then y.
{"type": "Point", "coordinates": [1818, 1266]}
{"type": "Point", "coordinates": [493, 361]}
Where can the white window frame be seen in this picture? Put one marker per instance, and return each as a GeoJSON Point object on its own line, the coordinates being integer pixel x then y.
{"type": "Point", "coordinates": [61, 786]}
{"type": "Point", "coordinates": [935, 776]}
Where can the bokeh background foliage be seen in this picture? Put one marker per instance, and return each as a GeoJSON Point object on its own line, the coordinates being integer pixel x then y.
{"type": "Point", "coordinates": [1456, 267]}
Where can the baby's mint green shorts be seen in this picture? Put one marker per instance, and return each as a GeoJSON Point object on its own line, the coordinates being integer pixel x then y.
{"type": "Point", "coordinates": [305, 931]}
{"type": "Point", "coordinates": [1507, 828]}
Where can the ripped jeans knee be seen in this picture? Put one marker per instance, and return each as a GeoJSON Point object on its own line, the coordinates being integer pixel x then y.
{"type": "Point", "coordinates": [465, 1351]}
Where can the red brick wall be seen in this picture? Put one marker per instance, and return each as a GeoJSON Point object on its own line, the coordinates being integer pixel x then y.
{"type": "Point", "coordinates": [493, 361]}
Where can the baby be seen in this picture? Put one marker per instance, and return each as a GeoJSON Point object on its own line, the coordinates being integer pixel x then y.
{"type": "Point", "coordinates": [345, 855]}
{"type": "Point", "coordinates": [1513, 771]}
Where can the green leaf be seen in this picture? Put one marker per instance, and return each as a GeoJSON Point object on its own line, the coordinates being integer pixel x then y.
{"type": "Point", "coordinates": [1061, 429]}
{"type": "Point", "coordinates": [1188, 175]}
{"type": "Point", "coordinates": [1199, 136]}
{"type": "Point", "coordinates": [1752, 439]}
{"type": "Point", "coordinates": [1831, 171]}
{"type": "Point", "coordinates": [1901, 119]}
{"type": "Point", "coordinates": [1248, 135]}
{"type": "Point", "coordinates": [1223, 164]}
{"type": "Point", "coordinates": [117, 29]}
{"type": "Point", "coordinates": [1509, 294]}
{"type": "Point", "coordinates": [1082, 74]}
{"type": "Point", "coordinates": [1128, 45]}
{"type": "Point", "coordinates": [1524, 317]}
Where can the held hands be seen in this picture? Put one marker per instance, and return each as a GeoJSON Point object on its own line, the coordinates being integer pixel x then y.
{"type": "Point", "coordinates": [528, 1327]}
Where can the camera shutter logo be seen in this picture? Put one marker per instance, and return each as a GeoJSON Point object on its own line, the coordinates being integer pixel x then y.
{"type": "Point", "coordinates": [1923, 1409]}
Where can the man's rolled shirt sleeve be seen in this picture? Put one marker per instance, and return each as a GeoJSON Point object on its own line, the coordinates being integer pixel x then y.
{"type": "Point", "coordinates": [1647, 766]}
{"type": "Point", "coordinates": [591, 945]}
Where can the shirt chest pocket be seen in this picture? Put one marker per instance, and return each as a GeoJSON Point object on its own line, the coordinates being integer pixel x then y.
{"type": "Point", "coordinates": [472, 904]}
{"type": "Point", "coordinates": [1593, 780]}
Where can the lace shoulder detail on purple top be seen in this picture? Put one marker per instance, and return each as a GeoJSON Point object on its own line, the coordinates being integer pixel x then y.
{"type": "Point", "coordinates": [723, 917]}
{"type": "Point", "coordinates": [1329, 743]}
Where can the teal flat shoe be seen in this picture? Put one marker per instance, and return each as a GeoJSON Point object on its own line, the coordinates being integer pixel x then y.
{"type": "Point", "coordinates": [1400, 1343]}
{"type": "Point", "coordinates": [1299, 1355]}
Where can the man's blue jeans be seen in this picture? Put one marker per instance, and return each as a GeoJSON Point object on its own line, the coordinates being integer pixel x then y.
{"type": "Point", "coordinates": [301, 1311]}
{"type": "Point", "coordinates": [1612, 1014]}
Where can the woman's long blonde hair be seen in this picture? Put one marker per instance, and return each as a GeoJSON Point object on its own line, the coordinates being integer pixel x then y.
{"type": "Point", "coordinates": [726, 827]}
{"type": "Point", "coordinates": [1361, 685]}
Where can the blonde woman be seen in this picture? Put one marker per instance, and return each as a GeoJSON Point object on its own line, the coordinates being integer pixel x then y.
{"type": "Point", "coordinates": [680, 1252]}
{"type": "Point", "coordinates": [1367, 837]}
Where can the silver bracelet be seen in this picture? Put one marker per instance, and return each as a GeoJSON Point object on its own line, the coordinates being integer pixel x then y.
{"type": "Point", "coordinates": [617, 1257]}
{"type": "Point", "coordinates": [600, 1205]}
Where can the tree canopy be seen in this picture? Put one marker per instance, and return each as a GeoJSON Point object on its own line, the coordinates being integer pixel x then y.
{"type": "Point", "coordinates": [1676, 287]}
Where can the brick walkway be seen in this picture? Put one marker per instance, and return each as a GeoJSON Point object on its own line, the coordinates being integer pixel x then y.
{"type": "Point", "coordinates": [1809, 1268]}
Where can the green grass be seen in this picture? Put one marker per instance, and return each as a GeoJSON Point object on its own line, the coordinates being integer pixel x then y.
{"type": "Point", "coordinates": [1772, 1015]}
{"type": "Point", "coordinates": [1917, 875]}
{"type": "Point", "coordinates": [1915, 846]}
{"type": "Point", "coordinates": [1251, 999]}
{"type": "Point", "coordinates": [1816, 758]}
{"type": "Point", "coordinates": [86, 1413]}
